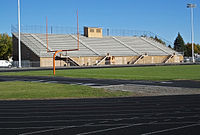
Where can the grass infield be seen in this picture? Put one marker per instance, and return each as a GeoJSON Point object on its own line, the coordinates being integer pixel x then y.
{"type": "Point", "coordinates": [35, 90]}
{"type": "Point", "coordinates": [155, 73]}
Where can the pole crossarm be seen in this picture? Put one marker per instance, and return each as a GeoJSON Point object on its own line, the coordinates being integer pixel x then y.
{"type": "Point", "coordinates": [54, 57]}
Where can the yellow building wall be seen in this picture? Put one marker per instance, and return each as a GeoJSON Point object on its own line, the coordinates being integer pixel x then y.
{"type": "Point", "coordinates": [115, 60]}
{"type": "Point", "coordinates": [93, 32]}
{"type": "Point", "coordinates": [48, 62]}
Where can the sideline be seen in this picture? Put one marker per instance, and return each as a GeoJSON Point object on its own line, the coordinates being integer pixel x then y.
{"type": "Point", "coordinates": [90, 67]}
{"type": "Point", "coordinates": [101, 82]}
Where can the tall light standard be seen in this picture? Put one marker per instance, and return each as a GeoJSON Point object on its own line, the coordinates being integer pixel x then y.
{"type": "Point", "coordinates": [191, 6]}
{"type": "Point", "coordinates": [19, 43]}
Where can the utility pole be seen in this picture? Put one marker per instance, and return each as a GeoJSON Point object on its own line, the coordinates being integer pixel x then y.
{"type": "Point", "coordinates": [19, 39]}
{"type": "Point", "coordinates": [192, 6]}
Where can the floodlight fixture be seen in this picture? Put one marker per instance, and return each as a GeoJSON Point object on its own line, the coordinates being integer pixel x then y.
{"type": "Point", "coordinates": [191, 5]}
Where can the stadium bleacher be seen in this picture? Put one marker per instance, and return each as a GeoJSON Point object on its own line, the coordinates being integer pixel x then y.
{"type": "Point", "coordinates": [115, 46]}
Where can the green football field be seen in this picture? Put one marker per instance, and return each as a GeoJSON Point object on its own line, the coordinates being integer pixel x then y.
{"type": "Point", "coordinates": [158, 73]}
{"type": "Point", "coordinates": [36, 90]}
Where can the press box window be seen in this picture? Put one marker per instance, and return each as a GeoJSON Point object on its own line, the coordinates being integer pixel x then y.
{"type": "Point", "coordinates": [98, 30]}
{"type": "Point", "coordinates": [91, 30]}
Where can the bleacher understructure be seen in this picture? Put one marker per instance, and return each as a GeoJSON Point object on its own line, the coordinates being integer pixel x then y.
{"type": "Point", "coordinates": [108, 50]}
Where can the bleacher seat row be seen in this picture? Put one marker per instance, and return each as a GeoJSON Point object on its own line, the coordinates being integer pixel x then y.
{"type": "Point", "coordinates": [115, 46]}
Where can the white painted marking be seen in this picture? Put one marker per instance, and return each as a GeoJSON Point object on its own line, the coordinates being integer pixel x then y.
{"type": "Point", "coordinates": [42, 80]}
{"type": "Point", "coordinates": [52, 82]}
{"type": "Point", "coordinates": [170, 129]}
{"type": "Point", "coordinates": [78, 83]}
{"type": "Point", "coordinates": [167, 82]}
{"type": "Point", "coordinates": [35, 81]}
{"type": "Point", "coordinates": [89, 84]}
{"type": "Point", "coordinates": [55, 129]}
{"type": "Point", "coordinates": [167, 119]}
{"type": "Point", "coordinates": [110, 129]}
{"type": "Point", "coordinates": [103, 121]}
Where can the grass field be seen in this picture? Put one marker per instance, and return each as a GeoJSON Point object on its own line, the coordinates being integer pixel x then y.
{"type": "Point", "coordinates": [181, 72]}
{"type": "Point", "coordinates": [33, 90]}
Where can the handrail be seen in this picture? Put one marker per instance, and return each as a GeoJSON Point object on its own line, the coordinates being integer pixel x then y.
{"type": "Point", "coordinates": [72, 30]}
{"type": "Point", "coordinates": [35, 49]}
{"type": "Point", "coordinates": [125, 45]}
{"type": "Point", "coordinates": [40, 41]}
{"type": "Point", "coordinates": [87, 46]}
{"type": "Point", "coordinates": [155, 45]}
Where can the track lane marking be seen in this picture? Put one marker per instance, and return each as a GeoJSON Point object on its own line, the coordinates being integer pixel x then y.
{"type": "Point", "coordinates": [54, 129]}
{"type": "Point", "coordinates": [171, 129]}
{"type": "Point", "coordinates": [115, 128]}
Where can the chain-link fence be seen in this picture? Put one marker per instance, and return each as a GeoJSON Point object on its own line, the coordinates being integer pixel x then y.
{"type": "Point", "coordinates": [73, 30]}
{"type": "Point", "coordinates": [26, 63]}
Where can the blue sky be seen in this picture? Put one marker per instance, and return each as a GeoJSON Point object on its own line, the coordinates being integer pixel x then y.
{"type": "Point", "coordinates": [163, 17]}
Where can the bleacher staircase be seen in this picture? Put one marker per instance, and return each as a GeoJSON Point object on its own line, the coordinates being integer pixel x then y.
{"type": "Point", "coordinates": [103, 59]}
{"type": "Point", "coordinates": [168, 58]}
{"type": "Point", "coordinates": [138, 58]}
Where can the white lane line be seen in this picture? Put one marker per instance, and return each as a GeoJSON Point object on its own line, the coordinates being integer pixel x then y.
{"type": "Point", "coordinates": [167, 82]}
{"type": "Point", "coordinates": [114, 119]}
{"type": "Point", "coordinates": [170, 129]}
{"type": "Point", "coordinates": [54, 129]}
{"type": "Point", "coordinates": [42, 80]}
{"type": "Point", "coordinates": [52, 121]}
{"type": "Point", "coordinates": [103, 121]}
{"type": "Point", "coordinates": [42, 131]}
{"type": "Point", "coordinates": [167, 120]}
{"type": "Point", "coordinates": [58, 112]}
{"type": "Point", "coordinates": [99, 125]}
{"type": "Point", "coordinates": [34, 81]}
{"type": "Point", "coordinates": [110, 129]}
{"type": "Point", "coordinates": [44, 127]}
{"type": "Point", "coordinates": [51, 82]}
{"type": "Point", "coordinates": [89, 84]}
{"type": "Point", "coordinates": [79, 83]}
{"type": "Point", "coordinates": [47, 116]}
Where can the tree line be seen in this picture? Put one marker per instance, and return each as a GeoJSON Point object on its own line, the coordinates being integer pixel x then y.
{"type": "Point", "coordinates": [5, 46]}
{"type": "Point", "coordinates": [186, 49]}
{"type": "Point", "coordinates": [180, 46]}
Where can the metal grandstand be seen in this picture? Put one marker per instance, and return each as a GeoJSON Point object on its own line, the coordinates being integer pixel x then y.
{"type": "Point", "coordinates": [72, 30]}
{"type": "Point", "coordinates": [116, 43]}
{"type": "Point", "coordinates": [131, 46]}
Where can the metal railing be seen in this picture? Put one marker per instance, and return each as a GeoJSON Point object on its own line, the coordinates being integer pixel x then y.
{"type": "Point", "coordinates": [73, 30]}
{"type": "Point", "coordinates": [26, 63]}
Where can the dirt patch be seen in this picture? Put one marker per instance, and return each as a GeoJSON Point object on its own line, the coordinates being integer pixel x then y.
{"type": "Point", "coordinates": [148, 90]}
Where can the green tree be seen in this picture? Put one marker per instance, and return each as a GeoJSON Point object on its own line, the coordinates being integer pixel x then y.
{"type": "Point", "coordinates": [169, 46]}
{"type": "Point", "coordinates": [198, 47]}
{"type": "Point", "coordinates": [188, 51]}
{"type": "Point", "coordinates": [159, 40]}
{"type": "Point", "coordinates": [5, 46]}
{"type": "Point", "coordinates": [179, 44]}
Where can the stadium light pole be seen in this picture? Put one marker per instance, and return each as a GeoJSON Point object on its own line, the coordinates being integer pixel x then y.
{"type": "Point", "coordinates": [192, 6]}
{"type": "Point", "coordinates": [19, 43]}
